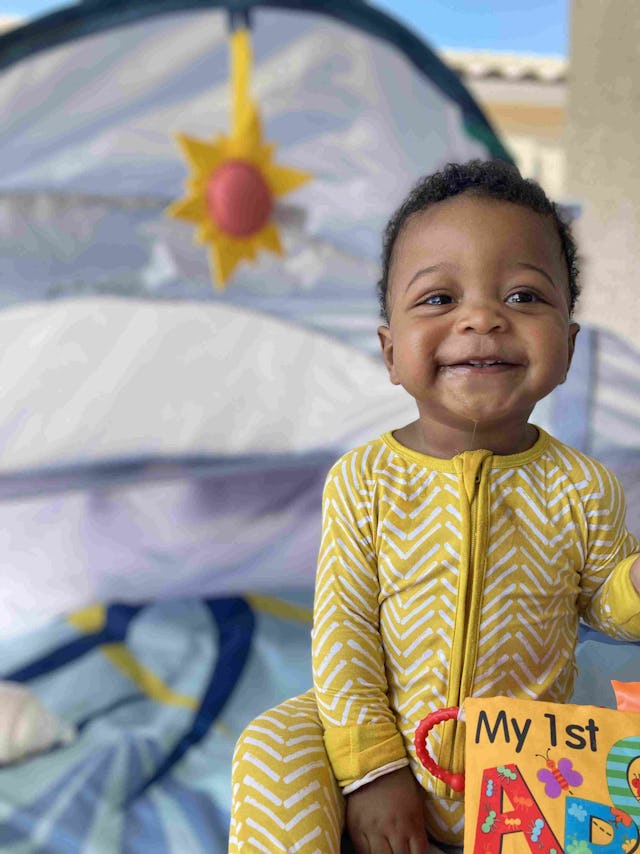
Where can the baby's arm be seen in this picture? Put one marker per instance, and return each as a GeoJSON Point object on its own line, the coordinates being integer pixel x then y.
{"type": "Point", "coordinates": [610, 584]}
{"type": "Point", "coordinates": [349, 677]}
{"type": "Point", "coordinates": [365, 747]}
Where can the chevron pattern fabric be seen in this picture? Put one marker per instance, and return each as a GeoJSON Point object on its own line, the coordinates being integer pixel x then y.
{"type": "Point", "coordinates": [437, 580]}
{"type": "Point", "coordinates": [285, 797]}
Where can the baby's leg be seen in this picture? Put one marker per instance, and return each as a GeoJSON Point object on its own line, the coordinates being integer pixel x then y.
{"type": "Point", "coordinates": [285, 797]}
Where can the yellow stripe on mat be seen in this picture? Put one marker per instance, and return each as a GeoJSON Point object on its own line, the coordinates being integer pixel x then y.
{"type": "Point", "coordinates": [93, 619]}
{"type": "Point", "coordinates": [89, 620]}
{"type": "Point", "coordinates": [279, 608]}
{"type": "Point", "coordinates": [148, 682]}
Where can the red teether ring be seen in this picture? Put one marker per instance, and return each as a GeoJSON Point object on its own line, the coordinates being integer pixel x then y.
{"type": "Point", "coordinates": [454, 781]}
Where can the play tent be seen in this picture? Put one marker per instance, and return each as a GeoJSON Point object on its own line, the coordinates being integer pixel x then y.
{"type": "Point", "coordinates": [163, 442]}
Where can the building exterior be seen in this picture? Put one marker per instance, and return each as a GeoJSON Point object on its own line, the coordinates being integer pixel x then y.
{"type": "Point", "coordinates": [7, 22]}
{"type": "Point", "coordinates": [524, 97]}
{"type": "Point", "coordinates": [578, 134]}
{"type": "Point", "coordinates": [603, 152]}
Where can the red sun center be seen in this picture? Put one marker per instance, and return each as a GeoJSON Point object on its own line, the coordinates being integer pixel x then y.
{"type": "Point", "coordinates": [239, 198]}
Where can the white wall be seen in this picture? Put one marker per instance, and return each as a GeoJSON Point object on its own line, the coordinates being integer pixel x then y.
{"type": "Point", "coordinates": [603, 158]}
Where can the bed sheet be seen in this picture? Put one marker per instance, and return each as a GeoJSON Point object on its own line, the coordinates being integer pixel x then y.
{"type": "Point", "coordinates": [159, 694]}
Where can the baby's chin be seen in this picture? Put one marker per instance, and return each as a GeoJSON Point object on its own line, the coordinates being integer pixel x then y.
{"type": "Point", "coordinates": [485, 413]}
{"type": "Point", "coordinates": [491, 418]}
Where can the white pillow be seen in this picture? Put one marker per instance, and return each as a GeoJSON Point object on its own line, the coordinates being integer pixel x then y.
{"type": "Point", "coordinates": [26, 726]}
{"type": "Point", "coordinates": [96, 380]}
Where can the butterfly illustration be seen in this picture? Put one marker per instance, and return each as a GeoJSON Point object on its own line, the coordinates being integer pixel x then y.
{"type": "Point", "coordinates": [558, 778]}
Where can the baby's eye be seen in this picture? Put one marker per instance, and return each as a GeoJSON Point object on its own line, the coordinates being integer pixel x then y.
{"type": "Point", "coordinates": [522, 296]}
{"type": "Point", "coordinates": [437, 299]}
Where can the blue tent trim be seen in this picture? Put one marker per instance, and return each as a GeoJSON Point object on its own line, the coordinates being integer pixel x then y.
{"type": "Point", "coordinates": [236, 624]}
{"type": "Point", "coordinates": [95, 16]}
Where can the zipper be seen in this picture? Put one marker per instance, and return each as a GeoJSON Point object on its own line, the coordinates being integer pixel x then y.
{"type": "Point", "coordinates": [472, 467]}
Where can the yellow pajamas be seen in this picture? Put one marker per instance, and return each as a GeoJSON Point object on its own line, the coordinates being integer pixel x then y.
{"type": "Point", "coordinates": [437, 579]}
{"type": "Point", "coordinates": [285, 796]}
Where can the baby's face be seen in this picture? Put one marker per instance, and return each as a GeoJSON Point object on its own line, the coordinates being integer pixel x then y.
{"type": "Point", "coordinates": [479, 327]}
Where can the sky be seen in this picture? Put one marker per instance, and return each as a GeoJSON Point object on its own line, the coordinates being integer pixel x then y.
{"type": "Point", "coordinates": [531, 26]}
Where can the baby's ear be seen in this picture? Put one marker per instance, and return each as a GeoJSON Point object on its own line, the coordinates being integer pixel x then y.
{"type": "Point", "coordinates": [386, 345]}
{"type": "Point", "coordinates": [574, 328]}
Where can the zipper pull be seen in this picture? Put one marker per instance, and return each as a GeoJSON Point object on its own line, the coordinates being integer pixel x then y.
{"type": "Point", "coordinates": [472, 462]}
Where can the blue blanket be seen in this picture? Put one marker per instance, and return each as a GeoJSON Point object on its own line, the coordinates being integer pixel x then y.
{"type": "Point", "coordinates": [159, 694]}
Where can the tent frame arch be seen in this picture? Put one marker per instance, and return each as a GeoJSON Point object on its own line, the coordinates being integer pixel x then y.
{"type": "Point", "coordinates": [91, 17]}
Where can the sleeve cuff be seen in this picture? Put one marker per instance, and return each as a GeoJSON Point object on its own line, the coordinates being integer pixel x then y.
{"type": "Point", "coordinates": [357, 751]}
{"type": "Point", "coordinates": [373, 775]}
{"type": "Point", "coordinates": [621, 600]}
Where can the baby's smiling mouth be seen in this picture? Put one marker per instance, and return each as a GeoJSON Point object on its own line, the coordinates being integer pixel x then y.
{"type": "Point", "coordinates": [488, 364]}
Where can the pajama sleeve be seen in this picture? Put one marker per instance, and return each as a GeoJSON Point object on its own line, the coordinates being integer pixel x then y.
{"type": "Point", "coordinates": [608, 600]}
{"type": "Point", "coordinates": [361, 736]}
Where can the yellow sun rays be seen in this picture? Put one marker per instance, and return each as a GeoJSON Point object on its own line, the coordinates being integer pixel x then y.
{"type": "Point", "coordinates": [235, 171]}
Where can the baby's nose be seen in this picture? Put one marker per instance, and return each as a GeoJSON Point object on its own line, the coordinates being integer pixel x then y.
{"type": "Point", "coordinates": [482, 317]}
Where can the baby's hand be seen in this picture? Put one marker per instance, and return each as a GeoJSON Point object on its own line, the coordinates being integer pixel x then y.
{"type": "Point", "coordinates": [387, 816]}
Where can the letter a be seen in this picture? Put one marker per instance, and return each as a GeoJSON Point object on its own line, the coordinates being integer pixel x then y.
{"type": "Point", "coordinates": [500, 786]}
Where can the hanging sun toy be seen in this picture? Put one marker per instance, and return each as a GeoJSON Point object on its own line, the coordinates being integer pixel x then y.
{"type": "Point", "coordinates": [233, 181]}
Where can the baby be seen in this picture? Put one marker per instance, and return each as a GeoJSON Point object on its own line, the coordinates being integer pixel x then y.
{"type": "Point", "coordinates": [458, 552]}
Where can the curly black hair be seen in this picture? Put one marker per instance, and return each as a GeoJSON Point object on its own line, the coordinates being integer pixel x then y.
{"type": "Point", "coordinates": [495, 179]}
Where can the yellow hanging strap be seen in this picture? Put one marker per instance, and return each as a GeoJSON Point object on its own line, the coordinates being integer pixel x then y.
{"type": "Point", "coordinates": [246, 130]}
{"type": "Point", "coordinates": [241, 59]}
